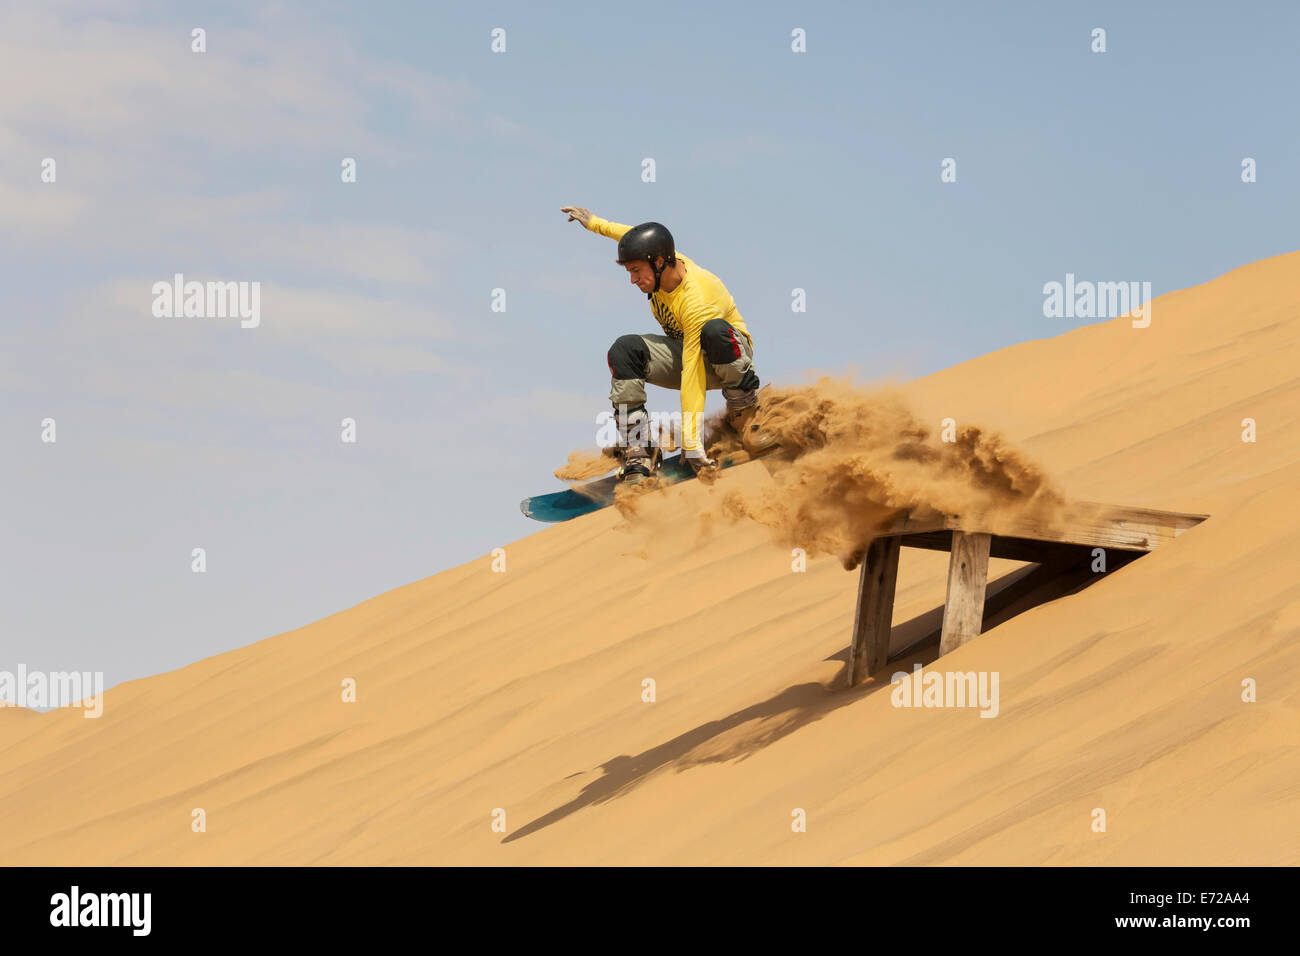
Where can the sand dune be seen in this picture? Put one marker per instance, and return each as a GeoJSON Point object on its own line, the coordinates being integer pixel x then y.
{"type": "Point", "coordinates": [522, 690]}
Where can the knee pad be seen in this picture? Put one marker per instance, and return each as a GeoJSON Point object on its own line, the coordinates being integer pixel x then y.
{"type": "Point", "coordinates": [719, 343]}
{"type": "Point", "coordinates": [628, 357]}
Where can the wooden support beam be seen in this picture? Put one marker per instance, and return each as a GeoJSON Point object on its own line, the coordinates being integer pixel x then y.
{"type": "Point", "coordinates": [1089, 524]}
{"type": "Point", "coordinates": [870, 647]}
{"type": "Point", "coordinates": [968, 573]}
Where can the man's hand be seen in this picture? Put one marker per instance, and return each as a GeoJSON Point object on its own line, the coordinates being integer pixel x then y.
{"type": "Point", "coordinates": [699, 461]}
{"type": "Point", "coordinates": [577, 212]}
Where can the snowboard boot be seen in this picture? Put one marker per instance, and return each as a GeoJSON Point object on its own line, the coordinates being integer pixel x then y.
{"type": "Point", "coordinates": [741, 413]}
{"type": "Point", "coordinates": [639, 457]}
{"type": "Point", "coordinates": [639, 464]}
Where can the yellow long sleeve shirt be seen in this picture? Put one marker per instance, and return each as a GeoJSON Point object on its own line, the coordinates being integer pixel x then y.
{"type": "Point", "coordinates": [699, 297]}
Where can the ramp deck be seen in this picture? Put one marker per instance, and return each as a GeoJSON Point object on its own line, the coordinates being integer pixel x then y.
{"type": "Point", "coordinates": [1063, 553]}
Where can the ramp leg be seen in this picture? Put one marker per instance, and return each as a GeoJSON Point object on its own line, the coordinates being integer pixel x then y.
{"type": "Point", "coordinates": [875, 612]}
{"type": "Point", "coordinates": [968, 575]}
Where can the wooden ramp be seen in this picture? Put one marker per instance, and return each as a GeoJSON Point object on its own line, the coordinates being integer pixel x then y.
{"type": "Point", "coordinates": [1063, 555]}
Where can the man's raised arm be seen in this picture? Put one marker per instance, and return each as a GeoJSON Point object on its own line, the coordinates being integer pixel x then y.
{"type": "Point", "coordinates": [614, 230]}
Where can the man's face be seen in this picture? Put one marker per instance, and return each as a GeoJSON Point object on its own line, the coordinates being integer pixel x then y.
{"type": "Point", "coordinates": [641, 275]}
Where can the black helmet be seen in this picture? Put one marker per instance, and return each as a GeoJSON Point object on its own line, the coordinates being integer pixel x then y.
{"type": "Point", "coordinates": [647, 242]}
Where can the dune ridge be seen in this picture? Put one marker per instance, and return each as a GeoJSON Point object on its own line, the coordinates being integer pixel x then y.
{"type": "Point", "coordinates": [523, 690]}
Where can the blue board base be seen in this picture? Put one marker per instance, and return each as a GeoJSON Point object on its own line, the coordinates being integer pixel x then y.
{"type": "Point", "coordinates": [599, 493]}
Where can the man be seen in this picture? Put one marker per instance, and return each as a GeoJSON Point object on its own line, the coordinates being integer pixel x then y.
{"type": "Point", "coordinates": [705, 345]}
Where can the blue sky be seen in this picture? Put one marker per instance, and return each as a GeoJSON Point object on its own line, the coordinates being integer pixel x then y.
{"type": "Point", "coordinates": [775, 170]}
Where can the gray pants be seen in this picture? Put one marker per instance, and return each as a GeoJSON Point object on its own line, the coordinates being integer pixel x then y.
{"type": "Point", "coordinates": [657, 359]}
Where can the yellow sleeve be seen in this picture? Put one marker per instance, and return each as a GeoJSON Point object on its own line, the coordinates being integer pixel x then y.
{"type": "Point", "coordinates": [694, 382]}
{"type": "Point", "coordinates": [613, 230]}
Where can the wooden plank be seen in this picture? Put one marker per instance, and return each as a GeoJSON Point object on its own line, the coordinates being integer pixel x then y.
{"type": "Point", "coordinates": [870, 646]}
{"type": "Point", "coordinates": [1013, 549]}
{"type": "Point", "coordinates": [968, 571]}
{"type": "Point", "coordinates": [1087, 524]}
{"type": "Point", "coordinates": [916, 522]}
